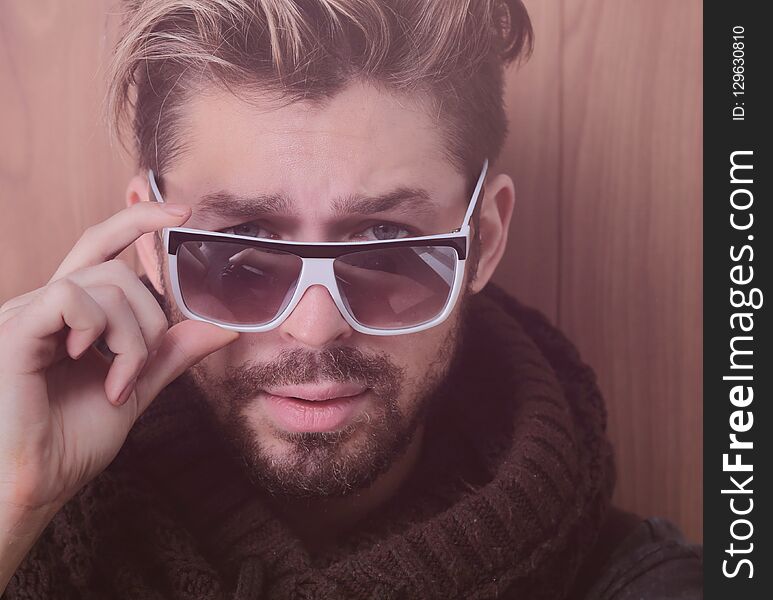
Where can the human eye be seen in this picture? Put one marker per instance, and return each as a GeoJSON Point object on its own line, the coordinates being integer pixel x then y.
{"type": "Point", "coordinates": [251, 229]}
{"type": "Point", "coordinates": [385, 231]}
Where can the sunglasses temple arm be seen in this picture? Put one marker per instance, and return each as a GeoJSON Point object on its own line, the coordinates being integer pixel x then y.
{"type": "Point", "coordinates": [154, 194]}
{"type": "Point", "coordinates": [475, 195]}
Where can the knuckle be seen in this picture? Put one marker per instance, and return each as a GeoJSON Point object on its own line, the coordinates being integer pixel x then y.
{"type": "Point", "coordinates": [62, 289]}
{"type": "Point", "coordinates": [99, 319]}
{"type": "Point", "coordinates": [158, 327]}
{"type": "Point", "coordinates": [91, 232]}
{"type": "Point", "coordinates": [136, 343]}
{"type": "Point", "coordinates": [141, 356]}
{"type": "Point", "coordinates": [112, 293]}
{"type": "Point", "coordinates": [98, 315]}
{"type": "Point", "coordinates": [121, 267]}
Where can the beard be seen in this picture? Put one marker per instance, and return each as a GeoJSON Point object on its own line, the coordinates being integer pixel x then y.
{"type": "Point", "coordinates": [326, 463]}
{"type": "Point", "coordinates": [320, 464]}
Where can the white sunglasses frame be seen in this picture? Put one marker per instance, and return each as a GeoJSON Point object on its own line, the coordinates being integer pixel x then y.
{"type": "Point", "coordinates": [319, 271]}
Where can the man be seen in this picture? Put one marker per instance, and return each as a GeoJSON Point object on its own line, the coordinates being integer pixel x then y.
{"type": "Point", "coordinates": [339, 408]}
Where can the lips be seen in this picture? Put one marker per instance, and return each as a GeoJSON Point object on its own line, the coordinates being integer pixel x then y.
{"type": "Point", "coordinates": [314, 407]}
{"type": "Point", "coordinates": [317, 392]}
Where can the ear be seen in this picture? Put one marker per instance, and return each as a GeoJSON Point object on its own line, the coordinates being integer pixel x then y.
{"type": "Point", "coordinates": [137, 191]}
{"type": "Point", "coordinates": [495, 214]}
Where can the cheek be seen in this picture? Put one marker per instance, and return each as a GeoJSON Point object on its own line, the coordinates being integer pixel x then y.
{"type": "Point", "coordinates": [422, 355]}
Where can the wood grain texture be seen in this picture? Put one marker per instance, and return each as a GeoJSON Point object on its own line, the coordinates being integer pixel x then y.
{"type": "Point", "coordinates": [531, 156]}
{"type": "Point", "coordinates": [630, 288]}
{"type": "Point", "coordinates": [604, 147]}
{"type": "Point", "coordinates": [58, 173]}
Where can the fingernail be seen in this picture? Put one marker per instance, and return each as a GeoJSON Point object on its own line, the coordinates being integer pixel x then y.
{"type": "Point", "coordinates": [125, 393]}
{"type": "Point", "coordinates": [178, 210]}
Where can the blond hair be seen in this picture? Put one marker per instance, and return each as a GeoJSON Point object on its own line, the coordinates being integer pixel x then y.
{"type": "Point", "coordinates": [453, 52]}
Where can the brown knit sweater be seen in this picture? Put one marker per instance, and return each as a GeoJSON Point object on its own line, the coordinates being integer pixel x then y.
{"type": "Point", "coordinates": [506, 501]}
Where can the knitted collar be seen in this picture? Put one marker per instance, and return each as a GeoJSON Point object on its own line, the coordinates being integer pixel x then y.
{"type": "Point", "coordinates": [506, 499]}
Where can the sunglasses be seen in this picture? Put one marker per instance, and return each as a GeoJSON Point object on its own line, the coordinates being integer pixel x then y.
{"type": "Point", "coordinates": [252, 285]}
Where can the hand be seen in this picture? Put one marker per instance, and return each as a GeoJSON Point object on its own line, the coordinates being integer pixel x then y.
{"type": "Point", "coordinates": [65, 412]}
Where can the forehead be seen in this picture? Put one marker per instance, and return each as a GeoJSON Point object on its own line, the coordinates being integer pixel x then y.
{"type": "Point", "coordinates": [363, 141]}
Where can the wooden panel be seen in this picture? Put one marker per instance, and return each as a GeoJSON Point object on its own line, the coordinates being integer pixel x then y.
{"type": "Point", "coordinates": [58, 174]}
{"type": "Point", "coordinates": [630, 289]}
{"type": "Point", "coordinates": [529, 268]}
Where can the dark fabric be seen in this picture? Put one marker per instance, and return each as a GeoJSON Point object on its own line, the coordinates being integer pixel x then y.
{"type": "Point", "coordinates": [615, 528]}
{"type": "Point", "coordinates": [507, 500]}
{"type": "Point", "coordinates": [653, 561]}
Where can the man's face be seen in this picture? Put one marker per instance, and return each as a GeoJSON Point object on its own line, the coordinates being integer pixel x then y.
{"type": "Point", "coordinates": [315, 407]}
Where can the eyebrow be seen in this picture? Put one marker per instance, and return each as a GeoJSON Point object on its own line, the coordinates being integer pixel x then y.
{"type": "Point", "coordinates": [226, 204]}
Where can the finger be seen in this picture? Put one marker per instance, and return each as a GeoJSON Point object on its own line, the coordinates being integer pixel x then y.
{"type": "Point", "coordinates": [150, 316]}
{"type": "Point", "coordinates": [8, 313]}
{"type": "Point", "coordinates": [18, 301]}
{"type": "Point", "coordinates": [184, 345]}
{"type": "Point", "coordinates": [123, 337]}
{"type": "Point", "coordinates": [31, 342]}
{"type": "Point", "coordinates": [105, 240]}
{"type": "Point", "coordinates": [76, 342]}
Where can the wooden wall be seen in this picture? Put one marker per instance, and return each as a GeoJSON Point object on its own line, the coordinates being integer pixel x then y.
{"type": "Point", "coordinates": [605, 147]}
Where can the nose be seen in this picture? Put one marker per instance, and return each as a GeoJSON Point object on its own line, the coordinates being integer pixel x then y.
{"type": "Point", "coordinates": [315, 321]}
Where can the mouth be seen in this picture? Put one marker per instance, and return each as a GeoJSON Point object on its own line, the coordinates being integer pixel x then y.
{"type": "Point", "coordinates": [314, 407]}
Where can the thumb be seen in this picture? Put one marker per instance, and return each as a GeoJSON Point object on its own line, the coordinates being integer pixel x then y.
{"type": "Point", "coordinates": [183, 345]}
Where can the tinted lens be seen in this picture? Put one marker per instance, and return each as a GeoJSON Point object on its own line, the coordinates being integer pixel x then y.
{"type": "Point", "coordinates": [236, 284]}
{"type": "Point", "coordinates": [396, 287]}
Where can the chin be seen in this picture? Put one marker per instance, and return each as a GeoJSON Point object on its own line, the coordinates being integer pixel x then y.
{"type": "Point", "coordinates": [317, 463]}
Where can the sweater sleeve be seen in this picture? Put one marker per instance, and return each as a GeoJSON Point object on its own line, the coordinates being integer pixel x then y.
{"type": "Point", "coordinates": [653, 562]}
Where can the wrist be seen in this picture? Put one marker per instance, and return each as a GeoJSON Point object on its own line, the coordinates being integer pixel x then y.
{"type": "Point", "coordinates": [20, 528]}
{"type": "Point", "coordinates": [22, 507]}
